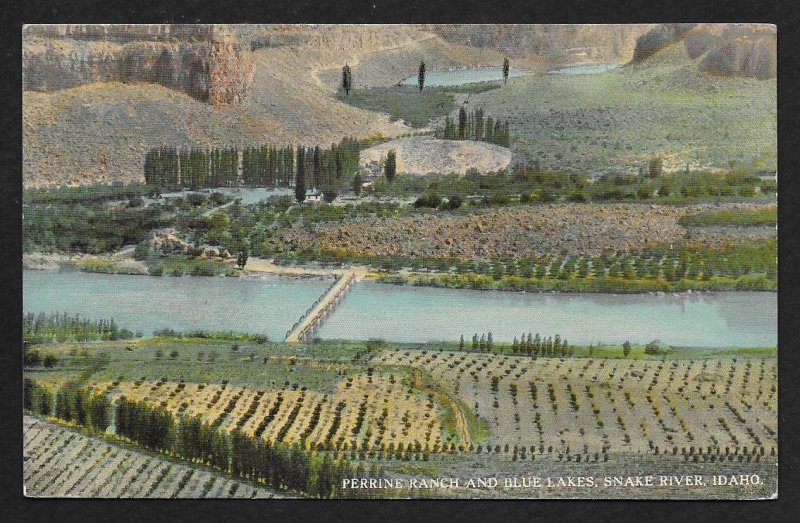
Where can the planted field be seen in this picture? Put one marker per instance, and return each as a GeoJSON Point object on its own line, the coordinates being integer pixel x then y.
{"type": "Point", "coordinates": [60, 462]}
{"type": "Point", "coordinates": [365, 411]}
{"type": "Point", "coordinates": [723, 408]}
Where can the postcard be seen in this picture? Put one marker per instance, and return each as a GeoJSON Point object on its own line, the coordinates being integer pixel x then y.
{"type": "Point", "coordinates": [400, 261]}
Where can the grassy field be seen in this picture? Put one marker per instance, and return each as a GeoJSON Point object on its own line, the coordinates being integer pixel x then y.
{"type": "Point", "coordinates": [414, 107]}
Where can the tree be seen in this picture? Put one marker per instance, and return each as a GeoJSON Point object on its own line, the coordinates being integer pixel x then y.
{"type": "Point", "coordinates": [655, 167]}
{"type": "Point", "coordinates": [626, 349]}
{"type": "Point", "coordinates": [461, 343]}
{"type": "Point", "coordinates": [347, 79]}
{"type": "Point", "coordinates": [241, 259]}
{"type": "Point", "coordinates": [654, 348]}
{"type": "Point", "coordinates": [421, 76]}
{"type": "Point", "coordinates": [454, 202]}
{"type": "Point", "coordinates": [505, 70]}
{"type": "Point", "coordinates": [475, 341]}
{"type": "Point", "coordinates": [300, 181]}
{"type": "Point", "coordinates": [316, 173]}
{"type": "Point", "coordinates": [489, 341]}
{"type": "Point", "coordinates": [329, 194]}
{"type": "Point", "coordinates": [357, 181]}
{"type": "Point", "coordinates": [462, 124]}
{"type": "Point", "coordinates": [390, 167]}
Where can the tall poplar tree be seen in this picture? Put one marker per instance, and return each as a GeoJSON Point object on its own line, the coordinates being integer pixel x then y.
{"type": "Point", "coordinates": [505, 70]}
{"type": "Point", "coordinates": [300, 180]}
{"type": "Point", "coordinates": [390, 167]}
{"type": "Point", "coordinates": [347, 79]}
{"type": "Point", "coordinates": [421, 76]}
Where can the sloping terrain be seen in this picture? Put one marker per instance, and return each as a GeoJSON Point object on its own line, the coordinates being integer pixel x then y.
{"type": "Point", "coordinates": [553, 43]}
{"type": "Point", "coordinates": [99, 132]}
{"type": "Point", "coordinates": [727, 49]}
{"type": "Point", "coordinates": [60, 462]}
{"type": "Point", "coordinates": [423, 154]}
{"type": "Point", "coordinates": [617, 121]}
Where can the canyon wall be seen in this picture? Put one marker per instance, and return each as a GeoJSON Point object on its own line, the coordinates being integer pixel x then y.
{"type": "Point", "coordinates": [748, 50]}
{"type": "Point", "coordinates": [205, 61]}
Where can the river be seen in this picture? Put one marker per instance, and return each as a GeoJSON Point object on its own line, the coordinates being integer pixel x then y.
{"type": "Point", "coordinates": [272, 304]}
{"type": "Point", "coordinates": [269, 305]}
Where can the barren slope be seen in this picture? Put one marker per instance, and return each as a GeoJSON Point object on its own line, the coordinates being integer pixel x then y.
{"type": "Point", "coordinates": [424, 154]}
{"type": "Point", "coordinates": [98, 133]}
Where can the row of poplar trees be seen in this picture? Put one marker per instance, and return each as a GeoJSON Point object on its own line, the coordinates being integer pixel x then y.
{"type": "Point", "coordinates": [474, 126]}
{"type": "Point", "coordinates": [265, 166]}
{"type": "Point", "coordinates": [275, 464]}
{"type": "Point", "coordinates": [282, 466]}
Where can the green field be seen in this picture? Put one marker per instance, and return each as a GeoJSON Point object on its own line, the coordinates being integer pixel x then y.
{"type": "Point", "coordinates": [767, 216]}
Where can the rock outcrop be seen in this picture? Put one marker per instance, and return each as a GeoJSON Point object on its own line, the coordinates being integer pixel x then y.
{"type": "Point", "coordinates": [744, 53]}
{"type": "Point", "coordinates": [205, 61]}
{"type": "Point", "coordinates": [748, 50]}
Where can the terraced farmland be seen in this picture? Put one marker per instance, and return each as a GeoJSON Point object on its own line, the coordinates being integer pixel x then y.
{"type": "Point", "coordinates": [365, 411]}
{"type": "Point", "coordinates": [711, 407]}
{"type": "Point", "coordinates": [60, 462]}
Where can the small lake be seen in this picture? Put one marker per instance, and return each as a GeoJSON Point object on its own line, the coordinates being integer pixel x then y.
{"type": "Point", "coordinates": [472, 75]}
{"type": "Point", "coordinates": [269, 305]}
{"type": "Point", "coordinates": [585, 69]}
{"type": "Point", "coordinates": [418, 314]}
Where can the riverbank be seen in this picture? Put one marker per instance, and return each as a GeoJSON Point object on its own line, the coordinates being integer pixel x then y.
{"type": "Point", "coordinates": [608, 285]}
{"type": "Point", "coordinates": [111, 264]}
{"type": "Point", "coordinates": [115, 264]}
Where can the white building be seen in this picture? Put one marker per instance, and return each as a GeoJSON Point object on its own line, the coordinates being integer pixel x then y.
{"type": "Point", "coordinates": [313, 195]}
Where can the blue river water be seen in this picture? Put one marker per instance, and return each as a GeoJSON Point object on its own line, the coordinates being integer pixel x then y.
{"type": "Point", "coordinates": [270, 305]}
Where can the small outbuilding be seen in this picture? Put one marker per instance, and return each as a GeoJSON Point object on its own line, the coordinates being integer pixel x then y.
{"type": "Point", "coordinates": [313, 195]}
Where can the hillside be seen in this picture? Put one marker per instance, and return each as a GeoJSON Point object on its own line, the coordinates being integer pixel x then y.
{"type": "Point", "coordinates": [554, 44]}
{"type": "Point", "coordinates": [663, 106]}
{"type": "Point", "coordinates": [748, 50]}
{"type": "Point", "coordinates": [85, 122]}
{"type": "Point", "coordinates": [205, 61]}
{"type": "Point", "coordinates": [419, 155]}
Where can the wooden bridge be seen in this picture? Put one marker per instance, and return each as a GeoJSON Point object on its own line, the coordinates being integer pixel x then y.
{"type": "Point", "coordinates": [324, 306]}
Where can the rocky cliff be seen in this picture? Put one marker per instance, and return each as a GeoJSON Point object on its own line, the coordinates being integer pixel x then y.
{"type": "Point", "coordinates": [205, 61]}
{"type": "Point", "coordinates": [723, 49]}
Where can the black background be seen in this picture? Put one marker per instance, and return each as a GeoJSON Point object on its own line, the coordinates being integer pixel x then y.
{"type": "Point", "coordinates": [14, 507]}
